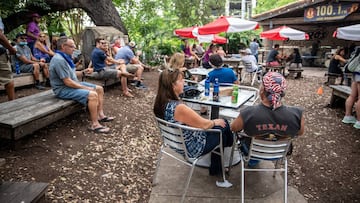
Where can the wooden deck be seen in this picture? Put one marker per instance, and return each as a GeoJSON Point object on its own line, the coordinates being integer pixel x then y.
{"type": "Point", "coordinates": [25, 115]}
{"type": "Point", "coordinates": [16, 192]}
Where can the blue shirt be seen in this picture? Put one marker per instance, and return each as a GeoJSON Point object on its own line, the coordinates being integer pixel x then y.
{"type": "Point", "coordinates": [225, 75]}
{"type": "Point", "coordinates": [125, 53]}
{"type": "Point", "coordinates": [194, 140]}
{"type": "Point", "coordinates": [98, 57]}
{"type": "Point", "coordinates": [60, 69]}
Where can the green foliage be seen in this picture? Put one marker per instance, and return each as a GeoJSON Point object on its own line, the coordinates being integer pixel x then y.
{"type": "Point", "coordinates": [266, 5]}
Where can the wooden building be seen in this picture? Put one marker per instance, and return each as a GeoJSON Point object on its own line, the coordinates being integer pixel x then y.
{"type": "Point", "coordinates": [318, 18]}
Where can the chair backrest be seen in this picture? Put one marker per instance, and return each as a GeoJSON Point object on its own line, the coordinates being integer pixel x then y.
{"type": "Point", "coordinates": [256, 91]}
{"type": "Point", "coordinates": [269, 147]}
{"type": "Point", "coordinates": [248, 67]}
{"type": "Point", "coordinates": [172, 135]}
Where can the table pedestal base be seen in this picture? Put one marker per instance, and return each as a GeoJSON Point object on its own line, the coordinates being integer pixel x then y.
{"type": "Point", "coordinates": [205, 161]}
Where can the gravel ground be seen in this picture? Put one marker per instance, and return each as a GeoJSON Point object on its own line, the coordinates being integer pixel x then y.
{"type": "Point", "coordinates": [81, 166]}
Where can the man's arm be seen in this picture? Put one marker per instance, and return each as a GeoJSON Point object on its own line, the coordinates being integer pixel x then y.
{"type": "Point", "coordinates": [5, 42]}
{"type": "Point", "coordinates": [70, 83]}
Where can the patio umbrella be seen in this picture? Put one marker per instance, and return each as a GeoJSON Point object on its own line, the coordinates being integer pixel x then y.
{"type": "Point", "coordinates": [351, 32]}
{"type": "Point", "coordinates": [192, 32]}
{"type": "Point", "coordinates": [284, 33]}
{"type": "Point", "coordinates": [227, 24]}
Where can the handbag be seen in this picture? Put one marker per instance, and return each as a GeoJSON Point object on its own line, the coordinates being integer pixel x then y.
{"type": "Point", "coordinates": [354, 64]}
{"type": "Point", "coordinates": [190, 92]}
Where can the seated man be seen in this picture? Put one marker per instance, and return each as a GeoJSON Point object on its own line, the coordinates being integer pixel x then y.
{"type": "Point", "coordinates": [274, 57]}
{"type": "Point", "coordinates": [133, 64]}
{"type": "Point", "coordinates": [224, 75]}
{"type": "Point", "coordinates": [248, 58]}
{"type": "Point", "coordinates": [270, 116]}
{"type": "Point", "coordinates": [66, 86]}
{"type": "Point", "coordinates": [28, 63]}
{"type": "Point", "coordinates": [102, 71]}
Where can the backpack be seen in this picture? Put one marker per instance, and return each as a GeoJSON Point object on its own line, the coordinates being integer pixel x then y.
{"type": "Point", "coordinates": [354, 64]}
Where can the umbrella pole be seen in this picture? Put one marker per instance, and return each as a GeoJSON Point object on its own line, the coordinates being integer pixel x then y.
{"type": "Point", "coordinates": [227, 44]}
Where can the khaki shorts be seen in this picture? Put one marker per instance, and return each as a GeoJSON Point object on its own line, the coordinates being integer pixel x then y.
{"type": "Point", "coordinates": [5, 70]}
{"type": "Point", "coordinates": [132, 68]}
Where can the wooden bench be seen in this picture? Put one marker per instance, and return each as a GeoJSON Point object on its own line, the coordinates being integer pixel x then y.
{"type": "Point", "coordinates": [280, 69]}
{"type": "Point", "coordinates": [331, 78]}
{"type": "Point", "coordinates": [23, 79]}
{"type": "Point", "coordinates": [295, 73]}
{"type": "Point", "coordinates": [102, 82]}
{"type": "Point", "coordinates": [22, 192]}
{"type": "Point", "coordinates": [339, 91]}
{"type": "Point", "coordinates": [25, 115]}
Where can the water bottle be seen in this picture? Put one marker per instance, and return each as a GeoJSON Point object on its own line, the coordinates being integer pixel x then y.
{"type": "Point", "coordinates": [207, 86]}
{"type": "Point", "coordinates": [216, 90]}
{"type": "Point", "coordinates": [234, 95]}
{"type": "Point", "coordinates": [17, 68]}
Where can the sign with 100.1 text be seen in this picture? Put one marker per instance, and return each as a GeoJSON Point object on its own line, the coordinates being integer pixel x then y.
{"type": "Point", "coordinates": [331, 11]}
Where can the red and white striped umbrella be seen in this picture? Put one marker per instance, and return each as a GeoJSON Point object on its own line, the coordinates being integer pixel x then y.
{"type": "Point", "coordinates": [227, 24]}
{"type": "Point", "coordinates": [284, 33]}
{"type": "Point", "coordinates": [351, 32]}
{"type": "Point", "coordinates": [192, 32]}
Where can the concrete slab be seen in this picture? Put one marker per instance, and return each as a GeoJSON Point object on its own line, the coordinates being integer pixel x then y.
{"type": "Point", "coordinates": [259, 186]}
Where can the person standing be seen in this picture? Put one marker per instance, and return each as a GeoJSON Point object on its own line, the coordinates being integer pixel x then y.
{"type": "Point", "coordinates": [254, 47]}
{"type": "Point", "coordinates": [66, 85]}
{"type": "Point", "coordinates": [353, 97]}
{"type": "Point", "coordinates": [5, 68]}
{"type": "Point", "coordinates": [33, 30]}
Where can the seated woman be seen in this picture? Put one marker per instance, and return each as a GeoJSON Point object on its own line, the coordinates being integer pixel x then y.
{"type": "Point", "coordinates": [211, 50]}
{"type": "Point", "coordinates": [336, 62]}
{"type": "Point", "coordinates": [295, 61]}
{"type": "Point", "coordinates": [189, 54]}
{"type": "Point", "coordinates": [169, 107]}
{"type": "Point", "coordinates": [41, 49]}
{"type": "Point", "coordinates": [176, 62]}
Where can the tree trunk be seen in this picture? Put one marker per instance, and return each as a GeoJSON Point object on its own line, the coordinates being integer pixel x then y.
{"type": "Point", "coordinates": [102, 12]}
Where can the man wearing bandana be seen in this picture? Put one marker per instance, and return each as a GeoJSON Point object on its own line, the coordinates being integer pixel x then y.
{"type": "Point", "coordinates": [270, 116]}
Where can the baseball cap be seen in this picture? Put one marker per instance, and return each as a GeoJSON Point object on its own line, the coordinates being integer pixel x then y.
{"type": "Point", "coordinates": [20, 34]}
{"type": "Point", "coordinates": [248, 51]}
{"type": "Point", "coordinates": [132, 44]}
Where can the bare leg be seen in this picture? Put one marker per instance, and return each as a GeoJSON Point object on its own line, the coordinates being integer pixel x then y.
{"type": "Point", "coordinates": [357, 106]}
{"type": "Point", "coordinates": [10, 90]}
{"type": "Point", "coordinates": [100, 108]}
{"type": "Point", "coordinates": [93, 103]}
{"type": "Point", "coordinates": [351, 99]}
{"type": "Point", "coordinates": [36, 71]}
{"type": "Point", "coordinates": [46, 71]}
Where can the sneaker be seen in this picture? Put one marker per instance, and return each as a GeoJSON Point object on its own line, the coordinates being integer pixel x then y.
{"type": "Point", "coordinates": [141, 86]}
{"type": "Point", "coordinates": [357, 125]}
{"type": "Point", "coordinates": [39, 87]}
{"type": "Point", "coordinates": [349, 120]}
{"type": "Point", "coordinates": [133, 82]}
{"type": "Point", "coordinates": [252, 163]}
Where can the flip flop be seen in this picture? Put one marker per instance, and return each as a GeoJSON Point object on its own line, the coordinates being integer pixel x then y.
{"type": "Point", "coordinates": [107, 119]}
{"type": "Point", "coordinates": [100, 129]}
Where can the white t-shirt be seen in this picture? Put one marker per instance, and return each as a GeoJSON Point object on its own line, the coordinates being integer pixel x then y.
{"type": "Point", "coordinates": [250, 59]}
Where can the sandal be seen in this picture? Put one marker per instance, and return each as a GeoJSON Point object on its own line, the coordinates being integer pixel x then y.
{"type": "Point", "coordinates": [101, 129]}
{"type": "Point", "coordinates": [106, 119]}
